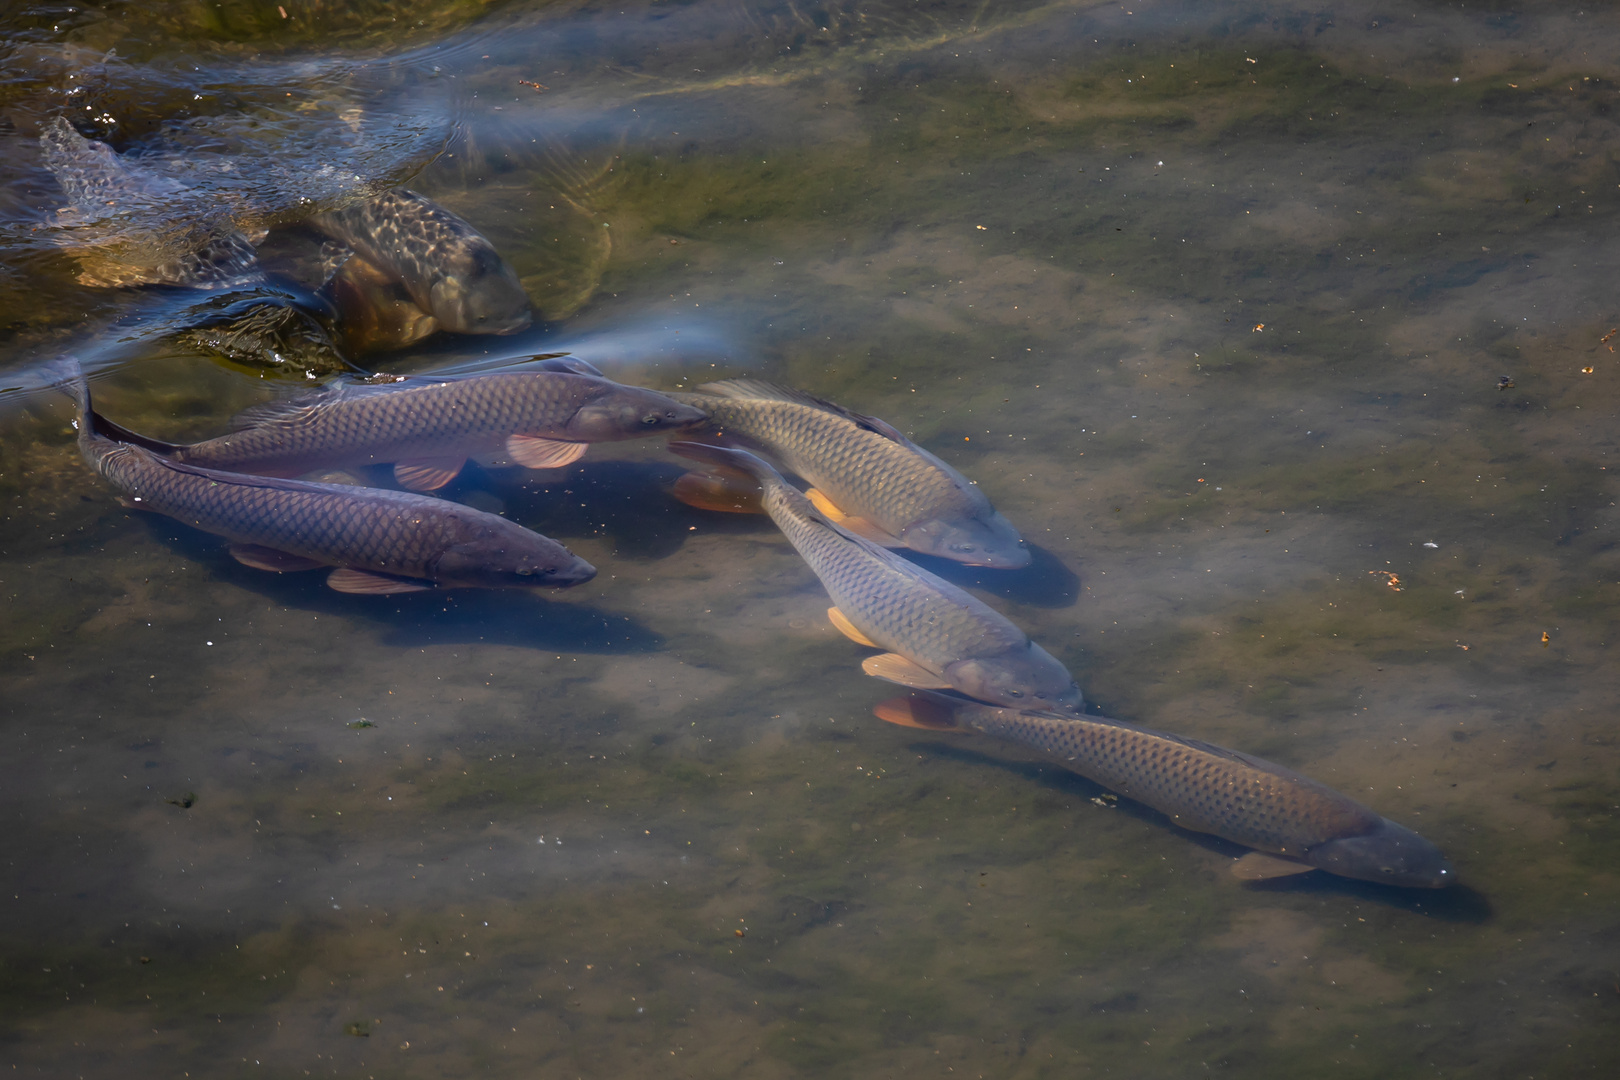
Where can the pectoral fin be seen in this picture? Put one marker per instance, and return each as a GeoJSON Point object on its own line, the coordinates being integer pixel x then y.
{"type": "Point", "coordinates": [825, 505]}
{"type": "Point", "coordinates": [371, 583]}
{"type": "Point", "coordinates": [868, 531]}
{"type": "Point", "coordinates": [897, 669]}
{"type": "Point", "coordinates": [1258, 866]}
{"type": "Point", "coordinates": [728, 492]}
{"type": "Point", "coordinates": [857, 525]}
{"type": "Point", "coordinates": [535, 452]}
{"type": "Point", "coordinates": [915, 712]}
{"type": "Point", "coordinates": [847, 628]}
{"type": "Point", "coordinates": [263, 558]}
{"type": "Point", "coordinates": [427, 474]}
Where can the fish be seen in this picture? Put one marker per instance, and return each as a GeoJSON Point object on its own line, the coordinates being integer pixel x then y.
{"type": "Point", "coordinates": [937, 636]}
{"type": "Point", "coordinates": [449, 269]}
{"type": "Point", "coordinates": [864, 474]}
{"type": "Point", "coordinates": [374, 541]}
{"type": "Point", "coordinates": [374, 311]}
{"type": "Point", "coordinates": [1293, 823]}
{"type": "Point", "coordinates": [428, 426]}
{"type": "Point", "coordinates": [129, 224]}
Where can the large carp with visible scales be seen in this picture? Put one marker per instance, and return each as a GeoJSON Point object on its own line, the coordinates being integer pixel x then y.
{"type": "Point", "coordinates": [1294, 823]}
{"type": "Point", "coordinates": [937, 635]}
{"type": "Point", "coordinates": [376, 541]}
{"type": "Point", "coordinates": [863, 473]}
{"type": "Point", "coordinates": [429, 425]}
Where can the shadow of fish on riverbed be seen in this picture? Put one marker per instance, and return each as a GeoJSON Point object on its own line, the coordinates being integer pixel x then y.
{"type": "Point", "coordinates": [624, 503]}
{"type": "Point", "coordinates": [1045, 582]}
{"type": "Point", "coordinates": [1457, 904]}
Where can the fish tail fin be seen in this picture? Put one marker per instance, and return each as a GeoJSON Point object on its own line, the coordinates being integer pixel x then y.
{"type": "Point", "coordinates": [726, 457]}
{"type": "Point", "coordinates": [926, 711]}
{"type": "Point", "coordinates": [67, 375]}
{"type": "Point", "coordinates": [726, 490]}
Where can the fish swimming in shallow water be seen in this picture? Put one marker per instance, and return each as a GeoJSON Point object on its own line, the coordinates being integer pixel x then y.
{"type": "Point", "coordinates": [374, 311]}
{"type": "Point", "coordinates": [450, 270]}
{"type": "Point", "coordinates": [376, 541]}
{"type": "Point", "coordinates": [863, 473]}
{"type": "Point", "coordinates": [937, 635]}
{"type": "Point", "coordinates": [1294, 823]}
{"type": "Point", "coordinates": [128, 223]}
{"type": "Point", "coordinates": [428, 426]}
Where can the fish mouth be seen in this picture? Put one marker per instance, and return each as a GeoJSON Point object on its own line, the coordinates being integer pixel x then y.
{"type": "Point", "coordinates": [684, 416]}
{"type": "Point", "coordinates": [567, 577]}
{"type": "Point", "coordinates": [1391, 854]}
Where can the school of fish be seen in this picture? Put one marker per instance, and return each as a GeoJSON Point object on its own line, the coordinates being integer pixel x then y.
{"type": "Point", "coordinates": [400, 267]}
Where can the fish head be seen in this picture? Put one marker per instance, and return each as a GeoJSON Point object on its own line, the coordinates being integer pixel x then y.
{"type": "Point", "coordinates": [511, 562]}
{"type": "Point", "coordinates": [480, 294]}
{"type": "Point", "coordinates": [984, 540]}
{"type": "Point", "coordinates": [1391, 854]}
{"type": "Point", "coordinates": [1027, 678]}
{"type": "Point", "coordinates": [629, 412]}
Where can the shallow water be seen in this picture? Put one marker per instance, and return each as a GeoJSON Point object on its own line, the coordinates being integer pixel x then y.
{"type": "Point", "coordinates": [1233, 286]}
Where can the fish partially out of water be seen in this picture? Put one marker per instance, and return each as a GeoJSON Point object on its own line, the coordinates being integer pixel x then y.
{"type": "Point", "coordinates": [450, 270]}
{"type": "Point", "coordinates": [428, 426]}
{"type": "Point", "coordinates": [128, 224]}
{"type": "Point", "coordinates": [1294, 823]}
{"type": "Point", "coordinates": [377, 541]}
{"type": "Point", "coordinates": [863, 473]}
{"type": "Point", "coordinates": [937, 635]}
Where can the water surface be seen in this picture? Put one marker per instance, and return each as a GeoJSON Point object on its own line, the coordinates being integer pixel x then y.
{"type": "Point", "coordinates": [1215, 301]}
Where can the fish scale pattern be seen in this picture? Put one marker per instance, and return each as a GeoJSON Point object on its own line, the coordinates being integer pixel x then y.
{"type": "Point", "coordinates": [365, 528]}
{"type": "Point", "coordinates": [413, 418]}
{"type": "Point", "coordinates": [1201, 787]}
{"type": "Point", "coordinates": [864, 473]}
{"type": "Point", "coordinates": [402, 229]}
{"type": "Point", "coordinates": [897, 604]}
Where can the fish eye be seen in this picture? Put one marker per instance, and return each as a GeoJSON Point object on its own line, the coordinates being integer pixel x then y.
{"type": "Point", "coordinates": [650, 419]}
{"type": "Point", "coordinates": [1015, 693]}
{"type": "Point", "coordinates": [526, 571]}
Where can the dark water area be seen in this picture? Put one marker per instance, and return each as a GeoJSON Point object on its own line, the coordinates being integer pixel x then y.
{"type": "Point", "coordinates": [1295, 331]}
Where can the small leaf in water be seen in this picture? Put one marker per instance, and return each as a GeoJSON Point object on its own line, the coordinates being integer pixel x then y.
{"type": "Point", "coordinates": [186, 801]}
{"type": "Point", "coordinates": [361, 723]}
{"type": "Point", "coordinates": [357, 1029]}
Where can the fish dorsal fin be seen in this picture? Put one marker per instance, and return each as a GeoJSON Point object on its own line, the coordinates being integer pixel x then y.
{"type": "Point", "coordinates": [1258, 866]}
{"type": "Point", "coordinates": [898, 669]}
{"type": "Point", "coordinates": [764, 390]}
{"type": "Point", "coordinates": [535, 452]}
{"type": "Point", "coordinates": [563, 362]}
{"type": "Point", "coordinates": [427, 474]}
{"type": "Point", "coordinates": [291, 409]}
{"type": "Point", "coordinates": [847, 628]}
{"type": "Point", "coordinates": [370, 583]}
{"type": "Point", "coordinates": [264, 558]}
{"type": "Point", "coordinates": [916, 712]}
{"type": "Point", "coordinates": [725, 491]}
{"type": "Point", "coordinates": [118, 433]}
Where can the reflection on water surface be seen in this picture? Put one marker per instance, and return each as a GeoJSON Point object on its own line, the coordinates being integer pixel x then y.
{"type": "Point", "coordinates": [1213, 300]}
